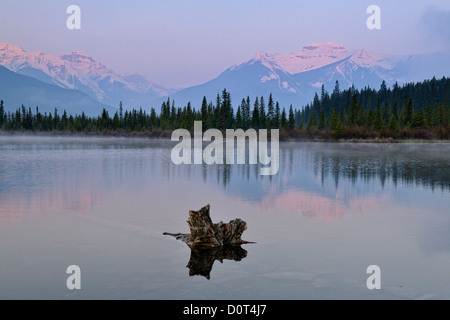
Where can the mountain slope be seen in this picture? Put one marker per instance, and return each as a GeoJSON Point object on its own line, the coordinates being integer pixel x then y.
{"type": "Point", "coordinates": [17, 89]}
{"type": "Point", "coordinates": [81, 72]}
{"type": "Point", "coordinates": [294, 78]}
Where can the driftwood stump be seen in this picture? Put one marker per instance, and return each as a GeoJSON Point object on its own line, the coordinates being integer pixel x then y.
{"type": "Point", "coordinates": [210, 242]}
{"type": "Point", "coordinates": [205, 234]}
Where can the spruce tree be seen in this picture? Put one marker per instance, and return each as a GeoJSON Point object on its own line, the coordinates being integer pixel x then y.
{"type": "Point", "coordinates": [419, 119]}
{"type": "Point", "coordinates": [395, 110]}
{"type": "Point", "coordinates": [393, 123]}
{"type": "Point", "coordinates": [116, 121]}
{"type": "Point", "coordinates": [370, 119]}
{"type": "Point", "coordinates": [408, 112]}
{"type": "Point", "coordinates": [255, 116]}
{"type": "Point", "coordinates": [353, 110]}
{"type": "Point", "coordinates": [291, 121]}
{"type": "Point", "coordinates": [247, 113]}
{"type": "Point", "coordinates": [336, 92]}
{"type": "Point", "coordinates": [204, 109]}
{"type": "Point", "coordinates": [334, 118]}
{"type": "Point", "coordinates": [312, 122]}
{"type": "Point", "coordinates": [321, 124]}
{"type": "Point", "coordinates": [238, 118]}
{"type": "Point", "coordinates": [270, 113]}
{"type": "Point", "coordinates": [429, 115]}
{"type": "Point", "coordinates": [262, 113]}
{"type": "Point", "coordinates": [378, 119]}
{"type": "Point", "coordinates": [283, 121]}
{"type": "Point", "coordinates": [120, 111]}
{"type": "Point", "coordinates": [276, 123]}
{"type": "Point", "coordinates": [385, 112]}
{"type": "Point", "coordinates": [2, 112]}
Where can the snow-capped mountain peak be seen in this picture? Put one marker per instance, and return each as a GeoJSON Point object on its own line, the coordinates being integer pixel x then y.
{"type": "Point", "coordinates": [313, 56]}
{"type": "Point", "coordinates": [328, 47]}
{"type": "Point", "coordinates": [77, 70]}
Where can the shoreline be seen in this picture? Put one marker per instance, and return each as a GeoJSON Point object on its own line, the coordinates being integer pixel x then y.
{"type": "Point", "coordinates": [166, 135]}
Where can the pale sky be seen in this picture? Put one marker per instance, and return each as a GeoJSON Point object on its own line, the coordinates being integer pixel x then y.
{"type": "Point", "coordinates": [179, 43]}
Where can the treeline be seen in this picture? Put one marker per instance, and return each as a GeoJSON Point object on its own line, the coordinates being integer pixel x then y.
{"type": "Point", "coordinates": [220, 115]}
{"type": "Point", "coordinates": [416, 110]}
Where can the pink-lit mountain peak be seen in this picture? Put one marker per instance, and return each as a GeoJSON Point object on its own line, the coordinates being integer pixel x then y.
{"type": "Point", "coordinates": [10, 48]}
{"type": "Point", "coordinates": [77, 56]}
{"type": "Point", "coordinates": [76, 70]}
{"type": "Point", "coordinates": [327, 47]}
{"type": "Point", "coordinates": [317, 55]}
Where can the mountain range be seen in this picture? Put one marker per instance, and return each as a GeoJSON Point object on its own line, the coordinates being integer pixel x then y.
{"type": "Point", "coordinates": [292, 78]}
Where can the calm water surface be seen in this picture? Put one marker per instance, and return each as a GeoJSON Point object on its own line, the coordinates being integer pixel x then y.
{"type": "Point", "coordinates": [332, 211]}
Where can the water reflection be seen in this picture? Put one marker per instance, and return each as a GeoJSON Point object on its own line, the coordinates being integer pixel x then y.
{"type": "Point", "coordinates": [318, 207]}
{"type": "Point", "coordinates": [104, 203]}
{"type": "Point", "coordinates": [317, 180]}
{"type": "Point", "coordinates": [202, 259]}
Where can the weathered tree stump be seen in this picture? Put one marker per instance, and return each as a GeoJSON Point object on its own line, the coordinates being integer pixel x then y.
{"type": "Point", "coordinates": [205, 234]}
{"type": "Point", "coordinates": [210, 242]}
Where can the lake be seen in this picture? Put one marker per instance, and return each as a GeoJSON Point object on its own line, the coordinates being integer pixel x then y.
{"type": "Point", "coordinates": [333, 210]}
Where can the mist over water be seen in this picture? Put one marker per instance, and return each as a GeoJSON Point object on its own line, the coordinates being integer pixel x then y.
{"type": "Point", "coordinates": [331, 211]}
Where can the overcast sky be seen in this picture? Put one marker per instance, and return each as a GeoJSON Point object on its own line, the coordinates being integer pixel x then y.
{"type": "Point", "coordinates": [179, 43]}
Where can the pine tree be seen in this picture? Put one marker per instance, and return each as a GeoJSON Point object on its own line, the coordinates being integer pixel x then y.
{"type": "Point", "coordinates": [238, 118]}
{"type": "Point", "coordinates": [291, 121]}
{"type": "Point", "coordinates": [255, 116]}
{"type": "Point", "coordinates": [316, 102]}
{"type": "Point", "coordinates": [120, 111]}
{"type": "Point", "coordinates": [419, 119]}
{"type": "Point", "coordinates": [370, 118]}
{"type": "Point", "coordinates": [312, 122]}
{"type": "Point", "coordinates": [336, 92]}
{"type": "Point", "coordinates": [55, 119]}
{"type": "Point", "coordinates": [354, 110]}
{"type": "Point", "coordinates": [341, 114]}
{"type": "Point", "coordinates": [189, 117]}
{"type": "Point", "coordinates": [2, 113]}
{"type": "Point", "coordinates": [334, 118]}
{"type": "Point", "coordinates": [270, 113]}
{"type": "Point", "coordinates": [338, 130]}
{"type": "Point", "coordinates": [262, 114]}
{"type": "Point", "coordinates": [385, 112]}
{"type": "Point", "coordinates": [218, 114]}
{"type": "Point", "coordinates": [321, 124]}
{"type": "Point", "coordinates": [393, 123]}
{"type": "Point", "coordinates": [276, 123]}
{"type": "Point", "coordinates": [116, 121]}
{"type": "Point", "coordinates": [173, 116]}
{"type": "Point", "coordinates": [209, 119]}
{"type": "Point", "coordinates": [395, 110]}
{"type": "Point", "coordinates": [204, 109]}
{"type": "Point", "coordinates": [408, 112]}
{"type": "Point", "coordinates": [38, 120]}
{"type": "Point", "coordinates": [429, 115]}
{"type": "Point", "coordinates": [64, 120]}
{"type": "Point", "coordinates": [378, 119]}
{"type": "Point", "coordinates": [247, 113]}
{"type": "Point", "coordinates": [283, 121]}
{"type": "Point", "coordinates": [226, 110]}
